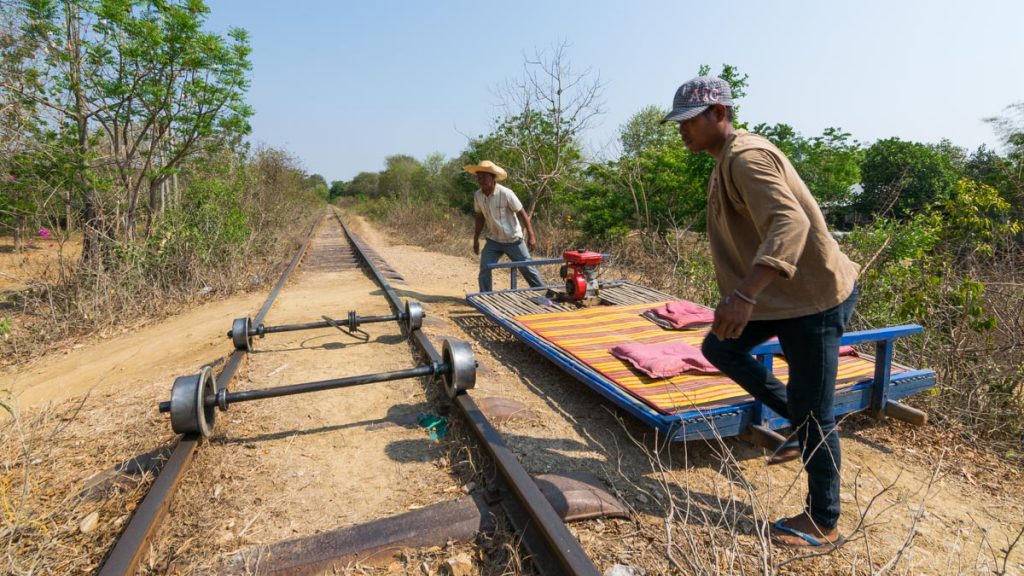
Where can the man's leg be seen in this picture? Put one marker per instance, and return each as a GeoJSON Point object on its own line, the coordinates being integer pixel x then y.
{"type": "Point", "coordinates": [811, 345]}
{"type": "Point", "coordinates": [521, 252]}
{"type": "Point", "coordinates": [732, 357]}
{"type": "Point", "coordinates": [490, 254]}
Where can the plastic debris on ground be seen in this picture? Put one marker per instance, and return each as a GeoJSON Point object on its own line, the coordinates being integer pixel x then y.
{"type": "Point", "coordinates": [437, 426]}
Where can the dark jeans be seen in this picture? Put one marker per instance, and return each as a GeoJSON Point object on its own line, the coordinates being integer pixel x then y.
{"type": "Point", "coordinates": [811, 346]}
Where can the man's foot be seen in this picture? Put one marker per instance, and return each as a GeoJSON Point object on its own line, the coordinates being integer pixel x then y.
{"type": "Point", "coordinates": [802, 532]}
{"type": "Point", "coordinates": [786, 453]}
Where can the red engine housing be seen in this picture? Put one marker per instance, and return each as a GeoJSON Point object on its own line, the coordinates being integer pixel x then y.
{"type": "Point", "coordinates": [579, 273]}
{"type": "Point", "coordinates": [582, 257]}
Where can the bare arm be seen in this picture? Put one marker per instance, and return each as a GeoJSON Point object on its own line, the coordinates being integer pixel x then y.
{"type": "Point", "coordinates": [524, 219]}
{"type": "Point", "coordinates": [478, 227]}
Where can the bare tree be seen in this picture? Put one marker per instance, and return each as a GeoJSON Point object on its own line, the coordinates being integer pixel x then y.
{"type": "Point", "coordinates": [545, 113]}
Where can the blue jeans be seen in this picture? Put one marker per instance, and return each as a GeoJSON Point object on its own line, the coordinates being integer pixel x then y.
{"type": "Point", "coordinates": [811, 346]}
{"type": "Point", "coordinates": [516, 252]}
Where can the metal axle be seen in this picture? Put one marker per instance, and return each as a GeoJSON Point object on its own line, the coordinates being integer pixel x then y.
{"type": "Point", "coordinates": [352, 322]}
{"type": "Point", "coordinates": [223, 398]}
{"type": "Point", "coordinates": [196, 398]}
{"type": "Point", "coordinates": [243, 330]}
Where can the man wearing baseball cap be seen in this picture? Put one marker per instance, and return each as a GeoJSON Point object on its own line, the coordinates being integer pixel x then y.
{"type": "Point", "coordinates": [780, 274]}
{"type": "Point", "coordinates": [500, 212]}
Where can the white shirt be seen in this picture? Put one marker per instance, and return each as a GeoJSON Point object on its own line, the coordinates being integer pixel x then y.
{"type": "Point", "coordinates": [499, 212]}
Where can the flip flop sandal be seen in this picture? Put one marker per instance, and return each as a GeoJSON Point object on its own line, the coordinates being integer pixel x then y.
{"type": "Point", "coordinates": [786, 453]}
{"type": "Point", "coordinates": [811, 540]}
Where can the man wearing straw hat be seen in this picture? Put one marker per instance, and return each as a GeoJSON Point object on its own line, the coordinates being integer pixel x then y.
{"type": "Point", "coordinates": [501, 213]}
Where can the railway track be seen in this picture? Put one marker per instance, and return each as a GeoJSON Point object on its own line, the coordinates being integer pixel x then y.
{"type": "Point", "coordinates": [330, 245]}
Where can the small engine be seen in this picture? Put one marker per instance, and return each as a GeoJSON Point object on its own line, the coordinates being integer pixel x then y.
{"type": "Point", "coordinates": [580, 274]}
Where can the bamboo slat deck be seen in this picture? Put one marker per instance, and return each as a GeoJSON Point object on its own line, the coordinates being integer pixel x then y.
{"type": "Point", "coordinates": [690, 416]}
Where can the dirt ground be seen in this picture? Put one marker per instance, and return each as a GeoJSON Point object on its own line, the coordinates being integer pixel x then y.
{"type": "Point", "coordinates": [37, 260]}
{"type": "Point", "coordinates": [915, 501]}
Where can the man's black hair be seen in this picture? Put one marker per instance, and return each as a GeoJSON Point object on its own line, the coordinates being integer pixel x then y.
{"type": "Point", "coordinates": [728, 112]}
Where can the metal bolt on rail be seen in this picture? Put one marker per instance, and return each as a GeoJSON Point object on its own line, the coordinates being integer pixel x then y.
{"type": "Point", "coordinates": [242, 331]}
{"type": "Point", "coordinates": [194, 398]}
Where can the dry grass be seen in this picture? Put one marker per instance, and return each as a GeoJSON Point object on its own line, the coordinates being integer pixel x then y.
{"type": "Point", "coordinates": [692, 523]}
{"type": "Point", "coordinates": [981, 374]}
{"type": "Point", "coordinates": [58, 466]}
{"type": "Point", "coordinates": [70, 304]}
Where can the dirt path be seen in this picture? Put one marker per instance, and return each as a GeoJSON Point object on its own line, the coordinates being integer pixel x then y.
{"type": "Point", "coordinates": [296, 466]}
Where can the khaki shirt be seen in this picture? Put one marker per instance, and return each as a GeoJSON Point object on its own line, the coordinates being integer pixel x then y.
{"type": "Point", "coordinates": [761, 212]}
{"type": "Point", "coordinates": [499, 211]}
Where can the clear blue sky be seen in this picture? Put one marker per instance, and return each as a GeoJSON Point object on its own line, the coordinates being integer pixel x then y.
{"type": "Point", "coordinates": [344, 84]}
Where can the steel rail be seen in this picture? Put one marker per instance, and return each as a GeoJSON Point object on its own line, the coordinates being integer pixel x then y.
{"type": "Point", "coordinates": [554, 550]}
{"type": "Point", "coordinates": [124, 557]}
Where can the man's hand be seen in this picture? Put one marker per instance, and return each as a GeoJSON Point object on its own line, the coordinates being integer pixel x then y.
{"type": "Point", "coordinates": [731, 318]}
{"type": "Point", "coordinates": [531, 242]}
{"type": "Point", "coordinates": [476, 246]}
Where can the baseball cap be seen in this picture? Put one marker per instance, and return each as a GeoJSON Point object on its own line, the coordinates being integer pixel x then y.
{"type": "Point", "coordinates": [696, 95]}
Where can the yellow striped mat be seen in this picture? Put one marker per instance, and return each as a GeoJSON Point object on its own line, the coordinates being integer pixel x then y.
{"type": "Point", "coordinates": [588, 334]}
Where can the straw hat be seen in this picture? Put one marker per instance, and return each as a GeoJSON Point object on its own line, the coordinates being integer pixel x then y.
{"type": "Point", "coordinates": [489, 167]}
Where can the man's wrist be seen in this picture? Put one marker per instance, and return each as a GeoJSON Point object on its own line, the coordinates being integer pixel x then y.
{"type": "Point", "coordinates": [741, 296]}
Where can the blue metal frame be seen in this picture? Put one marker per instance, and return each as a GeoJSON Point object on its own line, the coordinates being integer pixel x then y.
{"type": "Point", "coordinates": [736, 419]}
{"type": "Point", "coordinates": [524, 263]}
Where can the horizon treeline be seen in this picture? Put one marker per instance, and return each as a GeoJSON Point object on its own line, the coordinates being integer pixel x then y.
{"type": "Point", "coordinates": [655, 184]}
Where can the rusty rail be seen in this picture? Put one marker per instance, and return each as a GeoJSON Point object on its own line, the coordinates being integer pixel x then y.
{"type": "Point", "coordinates": [552, 548]}
{"type": "Point", "coordinates": [124, 557]}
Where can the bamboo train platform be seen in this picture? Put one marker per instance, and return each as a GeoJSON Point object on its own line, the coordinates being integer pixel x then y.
{"type": "Point", "coordinates": [689, 406]}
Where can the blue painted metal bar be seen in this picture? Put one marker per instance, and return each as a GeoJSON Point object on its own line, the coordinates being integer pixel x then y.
{"type": "Point", "coordinates": [880, 386]}
{"type": "Point", "coordinates": [852, 399]}
{"type": "Point", "coordinates": [525, 263]}
{"type": "Point", "coordinates": [850, 338]}
{"type": "Point", "coordinates": [513, 278]}
{"type": "Point", "coordinates": [469, 295]}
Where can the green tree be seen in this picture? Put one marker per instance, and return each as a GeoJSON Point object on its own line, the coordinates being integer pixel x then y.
{"type": "Point", "coordinates": [541, 162]}
{"type": "Point", "coordinates": [986, 166]}
{"type": "Point", "coordinates": [314, 181]}
{"type": "Point", "coordinates": [139, 82]}
{"type": "Point", "coordinates": [902, 178]}
{"type": "Point", "coordinates": [337, 189]}
{"type": "Point", "coordinates": [538, 138]}
{"type": "Point", "coordinates": [397, 179]}
{"type": "Point", "coordinates": [1010, 129]}
{"type": "Point", "coordinates": [644, 130]}
{"type": "Point", "coordinates": [460, 186]}
{"type": "Point", "coordinates": [365, 184]}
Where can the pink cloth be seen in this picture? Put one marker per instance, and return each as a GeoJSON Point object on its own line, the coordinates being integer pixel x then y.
{"type": "Point", "coordinates": [679, 315]}
{"type": "Point", "coordinates": [664, 360]}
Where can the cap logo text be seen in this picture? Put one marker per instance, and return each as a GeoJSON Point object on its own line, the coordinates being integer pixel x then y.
{"type": "Point", "coordinates": [700, 94]}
